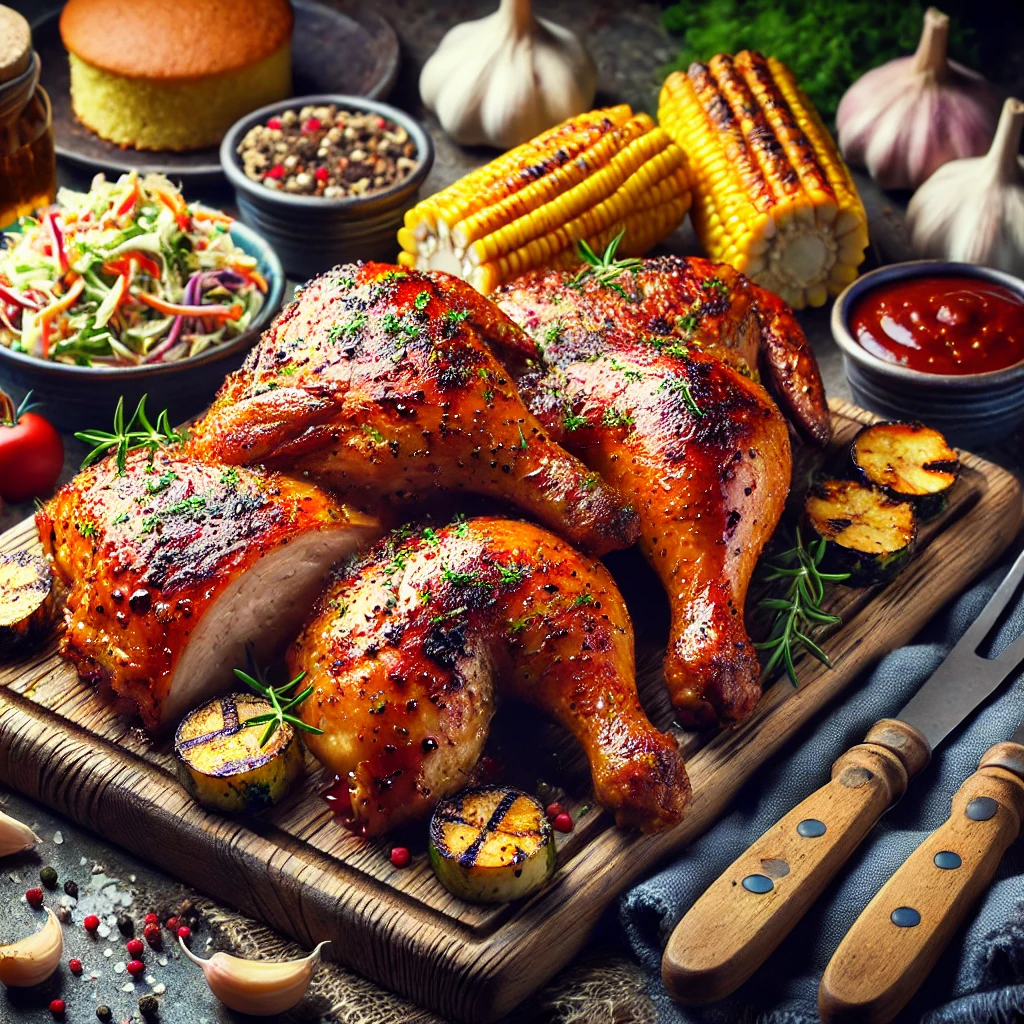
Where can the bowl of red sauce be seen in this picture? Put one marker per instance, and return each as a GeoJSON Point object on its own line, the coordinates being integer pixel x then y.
{"type": "Point", "coordinates": [939, 342]}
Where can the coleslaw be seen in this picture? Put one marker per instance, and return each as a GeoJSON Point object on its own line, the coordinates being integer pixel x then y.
{"type": "Point", "coordinates": [124, 274]}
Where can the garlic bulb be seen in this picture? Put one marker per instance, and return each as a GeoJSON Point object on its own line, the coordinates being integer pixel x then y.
{"type": "Point", "coordinates": [972, 211]}
{"type": "Point", "coordinates": [908, 117]}
{"type": "Point", "coordinates": [503, 79]}
{"type": "Point", "coordinates": [258, 987]}
{"type": "Point", "coordinates": [14, 836]}
{"type": "Point", "coordinates": [33, 959]}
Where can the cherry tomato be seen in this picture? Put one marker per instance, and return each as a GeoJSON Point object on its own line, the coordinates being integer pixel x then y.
{"type": "Point", "coordinates": [31, 453]}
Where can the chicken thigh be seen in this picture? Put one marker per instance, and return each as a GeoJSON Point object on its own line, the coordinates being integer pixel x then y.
{"type": "Point", "coordinates": [379, 383]}
{"type": "Point", "coordinates": [406, 648]}
{"type": "Point", "coordinates": [174, 566]}
{"type": "Point", "coordinates": [648, 374]}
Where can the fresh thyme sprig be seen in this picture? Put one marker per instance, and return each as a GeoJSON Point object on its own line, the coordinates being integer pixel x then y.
{"type": "Point", "coordinates": [139, 433]}
{"type": "Point", "coordinates": [798, 611]}
{"type": "Point", "coordinates": [606, 268]}
{"type": "Point", "coordinates": [280, 702]}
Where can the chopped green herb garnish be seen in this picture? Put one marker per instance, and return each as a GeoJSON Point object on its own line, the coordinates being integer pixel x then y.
{"type": "Point", "coordinates": [421, 300]}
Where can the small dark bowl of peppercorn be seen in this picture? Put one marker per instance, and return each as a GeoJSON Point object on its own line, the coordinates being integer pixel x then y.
{"type": "Point", "coordinates": [326, 179]}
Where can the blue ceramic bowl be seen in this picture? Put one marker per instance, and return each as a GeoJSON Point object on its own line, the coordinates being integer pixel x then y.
{"type": "Point", "coordinates": [84, 397]}
{"type": "Point", "coordinates": [310, 233]}
{"type": "Point", "coordinates": [972, 410]}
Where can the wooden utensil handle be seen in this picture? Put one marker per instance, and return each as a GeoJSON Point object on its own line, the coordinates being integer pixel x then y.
{"type": "Point", "coordinates": [743, 916]}
{"type": "Point", "coordinates": [895, 942]}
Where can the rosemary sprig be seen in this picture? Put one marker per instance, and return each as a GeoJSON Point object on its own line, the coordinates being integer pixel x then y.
{"type": "Point", "coordinates": [138, 433]}
{"type": "Point", "coordinates": [281, 703]}
{"type": "Point", "coordinates": [798, 611]}
{"type": "Point", "coordinates": [605, 268]}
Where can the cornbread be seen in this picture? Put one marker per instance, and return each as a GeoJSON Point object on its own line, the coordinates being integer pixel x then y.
{"type": "Point", "coordinates": [174, 74]}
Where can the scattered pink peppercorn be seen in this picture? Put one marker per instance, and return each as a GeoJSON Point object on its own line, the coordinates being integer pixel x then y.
{"type": "Point", "coordinates": [91, 922]}
{"type": "Point", "coordinates": [321, 173]}
{"type": "Point", "coordinates": [277, 171]}
{"type": "Point", "coordinates": [57, 1008]}
{"type": "Point", "coordinates": [153, 934]}
{"type": "Point", "coordinates": [275, 123]}
{"type": "Point", "coordinates": [172, 923]}
{"type": "Point", "coordinates": [75, 965]}
{"type": "Point", "coordinates": [151, 918]}
{"type": "Point", "coordinates": [562, 822]}
{"type": "Point", "coordinates": [135, 947]}
{"type": "Point", "coordinates": [184, 932]}
{"type": "Point", "coordinates": [381, 123]}
{"type": "Point", "coordinates": [400, 856]}
{"type": "Point", "coordinates": [134, 967]}
{"type": "Point", "coordinates": [554, 810]}
{"type": "Point", "coordinates": [312, 125]}
{"type": "Point", "coordinates": [34, 897]}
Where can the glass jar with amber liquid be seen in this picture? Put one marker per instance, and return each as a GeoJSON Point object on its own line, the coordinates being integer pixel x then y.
{"type": "Point", "coordinates": [28, 163]}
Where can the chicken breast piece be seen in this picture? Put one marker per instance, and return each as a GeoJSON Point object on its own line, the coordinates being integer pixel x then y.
{"type": "Point", "coordinates": [173, 566]}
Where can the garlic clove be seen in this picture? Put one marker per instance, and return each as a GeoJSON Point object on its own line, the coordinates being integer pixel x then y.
{"type": "Point", "coordinates": [15, 836]}
{"type": "Point", "coordinates": [258, 987]}
{"type": "Point", "coordinates": [32, 960]}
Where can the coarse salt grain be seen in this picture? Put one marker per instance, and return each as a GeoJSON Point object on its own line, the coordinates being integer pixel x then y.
{"type": "Point", "coordinates": [58, 838]}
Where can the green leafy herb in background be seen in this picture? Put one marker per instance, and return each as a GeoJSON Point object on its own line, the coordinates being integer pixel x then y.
{"type": "Point", "coordinates": [828, 46]}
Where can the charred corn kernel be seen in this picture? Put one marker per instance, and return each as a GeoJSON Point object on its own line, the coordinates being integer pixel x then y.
{"type": "Point", "coordinates": [771, 195]}
{"type": "Point", "coordinates": [587, 178]}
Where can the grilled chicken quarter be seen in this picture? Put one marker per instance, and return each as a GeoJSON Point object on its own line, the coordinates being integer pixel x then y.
{"type": "Point", "coordinates": [175, 565]}
{"type": "Point", "coordinates": [409, 648]}
{"type": "Point", "coordinates": [381, 384]}
{"type": "Point", "coordinates": [650, 375]}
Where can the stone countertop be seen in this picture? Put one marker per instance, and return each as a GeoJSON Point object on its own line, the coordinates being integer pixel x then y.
{"type": "Point", "coordinates": [630, 48]}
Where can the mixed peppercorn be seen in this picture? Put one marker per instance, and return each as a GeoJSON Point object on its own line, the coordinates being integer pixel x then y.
{"type": "Point", "coordinates": [329, 152]}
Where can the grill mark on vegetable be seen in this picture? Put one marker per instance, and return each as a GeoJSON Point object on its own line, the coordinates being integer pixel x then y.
{"type": "Point", "coordinates": [468, 859]}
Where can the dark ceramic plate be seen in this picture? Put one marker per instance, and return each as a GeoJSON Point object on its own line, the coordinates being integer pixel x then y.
{"type": "Point", "coordinates": [83, 397]}
{"type": "Point", "coordinates": [343, 47]}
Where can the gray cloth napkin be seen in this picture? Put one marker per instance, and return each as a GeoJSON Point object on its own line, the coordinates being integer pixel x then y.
{"type": "Point", "coordinates": [980, 978]}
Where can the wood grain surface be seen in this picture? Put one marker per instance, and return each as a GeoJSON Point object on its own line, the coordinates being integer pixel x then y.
{"type": "Point", "coordinates": [298, 870]}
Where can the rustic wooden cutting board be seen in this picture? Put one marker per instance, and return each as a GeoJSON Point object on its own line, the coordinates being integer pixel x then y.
{"type": "Point", "coordinates": [301, 872]}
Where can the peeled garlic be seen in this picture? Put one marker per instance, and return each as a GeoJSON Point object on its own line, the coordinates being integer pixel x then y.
{"type": "Point", "coordinates": [258, 987]}
{"type": "Point", "coordinates": [972, 211]}
{"type": "Point", "coordinates": [911, 115]}
{"type": "Point", "coordinates": [33, 959]}
{"type": "Point", "coordinates": [503, 79]}
{"type": "Point", "coordinates": [14, 836]}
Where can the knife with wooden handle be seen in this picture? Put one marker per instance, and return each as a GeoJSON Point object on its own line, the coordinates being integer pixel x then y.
{"type": "Point", "coordinates": [895, 942]}
{"type": "Point", "coordinates": [744, 915]}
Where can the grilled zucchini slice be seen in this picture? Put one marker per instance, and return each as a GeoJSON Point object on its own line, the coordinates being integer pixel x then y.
{"type": "Point", "coordinates": [26, 599]}
{"type": "Point", "coordinates": [870, 534]}
{"type": "Point", "coordinates": [221, 762]}
{"type": "Point", "coordinates": [910, 462]}
{"type": "Point", "coordinates": [491, 844]}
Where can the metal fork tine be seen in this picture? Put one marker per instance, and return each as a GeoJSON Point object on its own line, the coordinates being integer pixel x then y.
{"type": "Point", "coordinates": [1013, 655]}
{"type": "Point", "coordinates": [991, 612]}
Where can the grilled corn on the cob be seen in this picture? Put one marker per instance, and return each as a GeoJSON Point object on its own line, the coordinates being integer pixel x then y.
{"type": "Point", "coordinates": [772, 196]}
{"type": "Point", "coordinates": [588, 178]}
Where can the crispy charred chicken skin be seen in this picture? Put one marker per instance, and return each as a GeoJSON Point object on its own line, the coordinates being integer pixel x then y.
{"type": "Point", "coordinates": [174, 566]}
{"type": "Point", "coordinates": [405, 651]}
{"type": "Point", "coordinates": [646, 375]}
{"type": "Point", "coordinates": [379, 382]}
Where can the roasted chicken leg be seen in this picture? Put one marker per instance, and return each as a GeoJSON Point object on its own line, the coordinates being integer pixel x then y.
{"type": "Point", "coordinates": [173, 566]}
{"type": "Point", "coordinates": [379, 383]}
{"type": "Point", "coordinates": [647, 374]}
{"type": "Point", "coordinates": [406, 647]}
